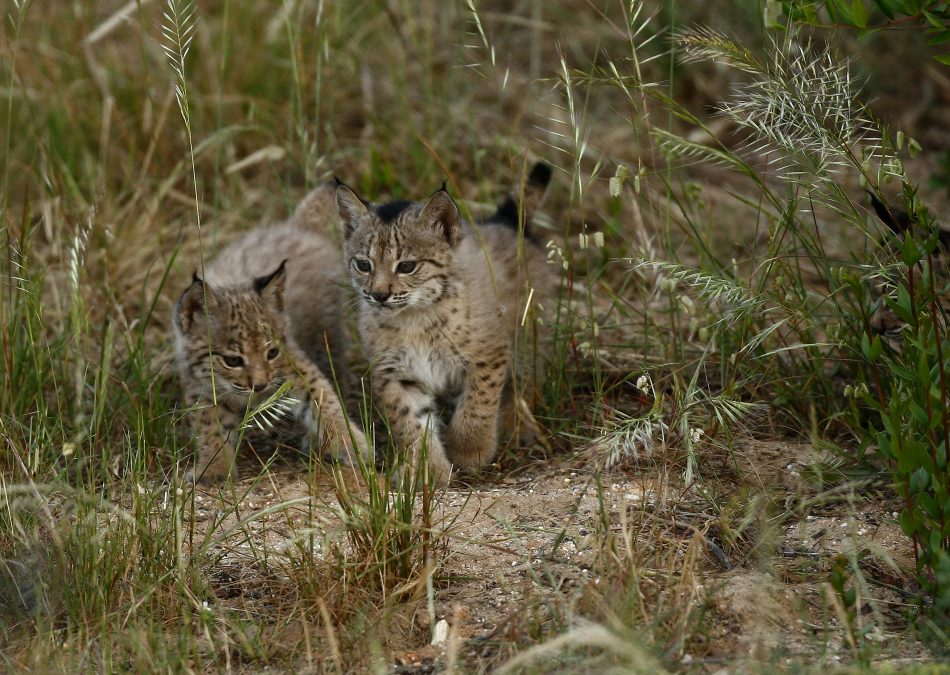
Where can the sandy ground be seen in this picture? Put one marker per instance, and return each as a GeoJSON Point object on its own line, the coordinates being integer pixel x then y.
{"type": "Point", "coordinates": [753, 560]}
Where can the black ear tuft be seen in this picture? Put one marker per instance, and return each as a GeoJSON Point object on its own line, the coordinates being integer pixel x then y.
{"type": "Point", "coordinates": [195, 279]}
{"type": "Point", "coordinates": [445, 182]}
{"type": "Point", "coordinates": [261, 283]}
{"type": "Point", "coordinates": [336, 180]}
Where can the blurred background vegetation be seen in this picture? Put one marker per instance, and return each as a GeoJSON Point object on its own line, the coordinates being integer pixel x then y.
{"type": "Point", "coordinates": [109, 177]}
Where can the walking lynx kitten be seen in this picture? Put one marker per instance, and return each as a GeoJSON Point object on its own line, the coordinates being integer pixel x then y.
{"type": "Point", "coordinates": [262, 316]}
{"type": "Point", "coordinates": [441, 304]}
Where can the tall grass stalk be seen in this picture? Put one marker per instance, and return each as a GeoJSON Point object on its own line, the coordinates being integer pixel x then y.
{"type": "Point", "coordinates": [668, 339]}
{"type": "Point", "coordinates": [16, 18]}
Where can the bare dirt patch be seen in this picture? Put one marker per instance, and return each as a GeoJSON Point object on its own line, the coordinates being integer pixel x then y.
{"type": "Point", "coordinates": [520, 549]}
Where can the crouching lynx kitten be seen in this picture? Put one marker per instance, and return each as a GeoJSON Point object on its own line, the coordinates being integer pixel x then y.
{"type": "Point", "coordinates": [441, 303]}
{"type": "Point", "coordinates": [263, 315]}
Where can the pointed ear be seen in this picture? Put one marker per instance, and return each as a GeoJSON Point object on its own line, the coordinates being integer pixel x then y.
{"type": "Point", "coordinates": [194, 303]}
{"type": "Point", "coordinates": [441, 214]}
{"type": "Point", "coordinates": [271, 287]}
{"type": "Point", "coordinates": [353, 210]}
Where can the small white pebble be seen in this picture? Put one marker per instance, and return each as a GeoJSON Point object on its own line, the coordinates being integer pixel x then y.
{"type": "Point", "coordinates": [440, 632]}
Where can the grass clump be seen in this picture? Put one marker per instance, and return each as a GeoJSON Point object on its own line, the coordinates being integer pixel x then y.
{"type": "Point", "coordinates": [714, 355]}
{"type": "Point", "coordinates": [909, 424]}
{"type": "Point", "coordinates": [803, 105]}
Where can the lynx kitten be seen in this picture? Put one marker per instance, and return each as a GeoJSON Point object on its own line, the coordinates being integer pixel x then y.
{"type": "Point", "coordinates": [263, 315]}
{"type": "Point", "coordinates": [441, 303]}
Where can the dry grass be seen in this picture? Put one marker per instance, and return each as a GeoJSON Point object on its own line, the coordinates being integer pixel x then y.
{"type": "Point", "coordinates": [697, 432]}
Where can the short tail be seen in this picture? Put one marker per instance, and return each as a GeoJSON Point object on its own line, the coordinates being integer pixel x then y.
{"type": "Point", "coordinates": [317, 210]}
{"type": "Point", "coordinates": [535, 187]}
{"type": "Point", "coordinates": [899, 221]}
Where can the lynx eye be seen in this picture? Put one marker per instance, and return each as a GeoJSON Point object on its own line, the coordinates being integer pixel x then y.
{"type": "Point", "coordinates": [406, 267]}
{"type": "Point", "coordinates": [272, 353]}
{"type": "Point", "coordinates": [232, 361]}
{"type": "Point", "coordinates": [362, 265]}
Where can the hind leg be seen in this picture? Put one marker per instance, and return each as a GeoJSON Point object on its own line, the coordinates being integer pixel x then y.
{"type": "Point", "coordinates": [516, 425]}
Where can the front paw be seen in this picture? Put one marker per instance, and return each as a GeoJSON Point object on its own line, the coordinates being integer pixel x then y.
{"type": "Point", "coordinates": [209, 474]}
{"type": "Point", "coordinates": [470, 446]}
{"type": "Point", "coordinates": [428, 461]}
{"type": "Point", "coordinates": [436, 472]}
{"type": "Point", "coordinates": [440, 469]}
{"type": "Point", "coordinates": [353, 448]}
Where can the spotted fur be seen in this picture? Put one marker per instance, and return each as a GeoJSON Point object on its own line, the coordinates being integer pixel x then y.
{"type": "Point", "coordinates": [265, 312]}
{"type": "Point", "coordinates": [441, 303]}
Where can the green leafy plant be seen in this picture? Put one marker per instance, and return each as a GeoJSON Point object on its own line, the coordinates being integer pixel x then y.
{"type": "Point", "coordinates": [802, 108]}
{"type": "Point", "coordinates": [930, 15]}
{"type": "Point", "coordinates": [908, 389]}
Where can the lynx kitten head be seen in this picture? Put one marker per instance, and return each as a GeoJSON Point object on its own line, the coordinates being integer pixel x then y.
{"type": "Point", "coordinates": [398, 254]}
{"type": "Point", "coordinates": [246, 329]}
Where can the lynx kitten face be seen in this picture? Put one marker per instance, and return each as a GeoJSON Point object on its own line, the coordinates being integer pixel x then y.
{"type": "Point", "coordinates": [441, 303]}
{"type": "Point", "coordinates": [399, 254]}
{"type": "Point", "coordinates": [259, 320]}
{"type": "Point", "coordinates": [240, 332]}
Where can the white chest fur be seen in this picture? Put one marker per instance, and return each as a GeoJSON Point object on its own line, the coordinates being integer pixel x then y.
{"type": "Point", "coordinates": [438, 370]}
{"type": "Point", "coordinates": [417, 346]}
